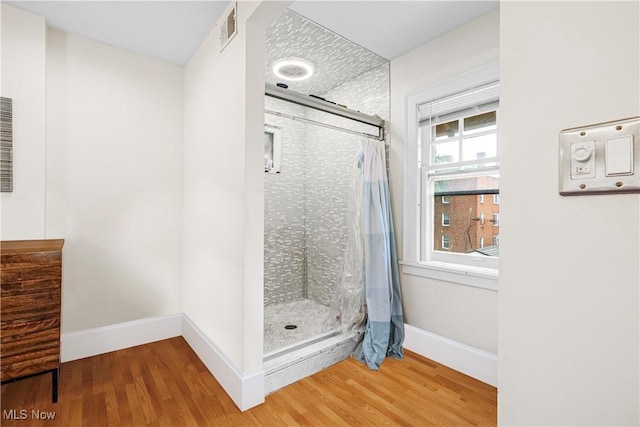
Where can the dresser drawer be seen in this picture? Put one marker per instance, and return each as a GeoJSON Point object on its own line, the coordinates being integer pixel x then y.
{"type": "Point", "coordinates": [30, 259]}
{"type": "Point", "coordinates": [21, 272]}
{"type": "Point", "coordinates": [29, 301]}
{"type": "Point", "coordinates": [28, 340]}
{"type": "Point", "coordinates": [27, 287]}
{"type": "Point", "coordinates": [30, 363]}
{"type": "Point", "coordinates": [12, 331]}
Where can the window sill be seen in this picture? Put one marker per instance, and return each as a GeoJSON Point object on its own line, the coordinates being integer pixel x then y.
{"type": "Point", "coordinates": [476, 277]}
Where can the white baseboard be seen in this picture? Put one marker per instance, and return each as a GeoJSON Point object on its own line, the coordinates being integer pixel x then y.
{"type": "Point", "coordinates": [246, 390]}
{"type": "Point", "coordinates": [479, 364]}
{"type": "Point", "coordinates": [91, 342]}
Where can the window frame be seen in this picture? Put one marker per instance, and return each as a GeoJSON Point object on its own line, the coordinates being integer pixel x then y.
{"type": "Point", "coordinates": [470, 274]}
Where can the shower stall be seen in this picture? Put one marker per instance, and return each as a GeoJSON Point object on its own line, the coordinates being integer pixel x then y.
{"type": "Point", "coordinates": [311, 147]}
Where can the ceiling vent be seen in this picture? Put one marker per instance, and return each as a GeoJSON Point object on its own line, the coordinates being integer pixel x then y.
{"type": "Point", "coordinates": [227, 25]}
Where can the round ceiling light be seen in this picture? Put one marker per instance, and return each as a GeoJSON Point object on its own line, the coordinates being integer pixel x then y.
{"type": "Point", "coordinates": [293, 69]}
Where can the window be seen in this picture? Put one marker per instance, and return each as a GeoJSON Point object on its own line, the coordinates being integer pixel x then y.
{"type": "Point", "coordinates": [496, 219]}
{"type": "Point", "coordinates": [496, 240]}
{"type": "Point", "coordinates": [454, 138]}
{"type": "Point", "coordinates": [459, 142]}
{"type": "Point", "coordinates": [496, 199]}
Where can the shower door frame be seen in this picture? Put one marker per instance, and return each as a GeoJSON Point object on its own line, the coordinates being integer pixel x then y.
{"type": "Point", "coordinates": [327, 107]}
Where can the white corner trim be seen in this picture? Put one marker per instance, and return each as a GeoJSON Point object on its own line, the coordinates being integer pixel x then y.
{"type": "Point", "coordinates": [91, 342]}
{"type": "Point", "coordinates": [246, 390]}
{"type": "Point", "coordinates": [479, 364]}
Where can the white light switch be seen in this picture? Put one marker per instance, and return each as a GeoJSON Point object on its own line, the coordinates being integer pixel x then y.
{"type": "Point", "coordinates": [619, 156]}
{"type": "Point", "coordinates": [602, 158]}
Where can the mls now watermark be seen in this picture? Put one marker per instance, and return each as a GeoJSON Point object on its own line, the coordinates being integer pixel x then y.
{"type": "Point", "coordinates": [23, 414]}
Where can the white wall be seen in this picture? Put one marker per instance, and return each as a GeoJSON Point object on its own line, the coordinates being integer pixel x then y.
{"type": "Point", "coordinates": [464, 314]}
{"type": "Point", "coordinates": [223, 188]}
{"type": "Point", "coordinates": [113, 180]}
{"type": "Point", "coordinates": [569, 266]}
{"type": "Point", "coordinates": [23, 79]}
{"type": "Point", "coordinates": [214, 193]}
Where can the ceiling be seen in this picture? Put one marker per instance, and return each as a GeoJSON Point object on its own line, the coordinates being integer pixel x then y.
{"type": "Point", "coordinates": [167, 30]}
{"type": "Point", "coordinates": [391, 28]}
{"type": "Point", "coordinates": [173, 30]}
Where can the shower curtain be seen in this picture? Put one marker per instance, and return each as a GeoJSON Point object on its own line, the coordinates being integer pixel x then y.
{"type": "Point", "coordinates": [348, 306]}
{"type": "Point", "coordinates": [384, 332]}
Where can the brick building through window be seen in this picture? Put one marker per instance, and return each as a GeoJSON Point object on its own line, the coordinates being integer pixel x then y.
{"type": "Point", "coordinates": [472, 219]}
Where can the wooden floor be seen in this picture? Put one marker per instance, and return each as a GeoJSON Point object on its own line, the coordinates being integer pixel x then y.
{"type": "Point", "coordinates": [165, 384]}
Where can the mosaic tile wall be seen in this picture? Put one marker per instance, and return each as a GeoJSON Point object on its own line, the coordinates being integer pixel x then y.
{"type": "Point", "coordinates": [306, 204]}
{"type": "Point", "coordinates": [284, 212]}
{"type": "Point", "coordinates": [336, 59]}
{"type": "Point", "coordinates": [330, 157]}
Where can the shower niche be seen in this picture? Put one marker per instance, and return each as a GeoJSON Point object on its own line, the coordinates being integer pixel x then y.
{"type": "Point", "coordinates": [308, 187]}
{"type": "Point", "coordinates": [272, 148]}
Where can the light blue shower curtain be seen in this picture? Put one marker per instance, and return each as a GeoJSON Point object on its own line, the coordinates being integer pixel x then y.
{"type": "Point", "coordinates": [384, 333]}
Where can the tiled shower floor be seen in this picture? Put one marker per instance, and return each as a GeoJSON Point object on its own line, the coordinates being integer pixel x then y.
{"type": "Point", "coordinates": [309, 316]}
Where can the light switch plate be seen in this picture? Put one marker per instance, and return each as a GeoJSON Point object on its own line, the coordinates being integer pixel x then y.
{"type": "Point", "coordinates": [588, 154]}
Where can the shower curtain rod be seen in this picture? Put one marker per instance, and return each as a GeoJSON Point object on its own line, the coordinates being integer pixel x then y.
{"type": "Point", "coordinates": [313, 122]}
{"type": "Point", "coordinates": [327, 107]}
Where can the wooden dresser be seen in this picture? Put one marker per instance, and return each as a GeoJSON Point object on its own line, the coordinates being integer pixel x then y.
{"type": "Point", "coordinates": [31, 281]}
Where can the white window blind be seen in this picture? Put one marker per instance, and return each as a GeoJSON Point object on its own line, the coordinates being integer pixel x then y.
{"type": "Point", "coordinates": [476, 100]}
{"type": "Point", "coordinates": [460, 152]}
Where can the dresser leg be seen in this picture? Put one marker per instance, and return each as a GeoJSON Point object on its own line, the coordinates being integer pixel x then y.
{"type": "Point", "coordinates": [54, 384]}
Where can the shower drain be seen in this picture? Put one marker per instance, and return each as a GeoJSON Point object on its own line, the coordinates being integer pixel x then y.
{"type": "Point", "coordinates": [291, 326]}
